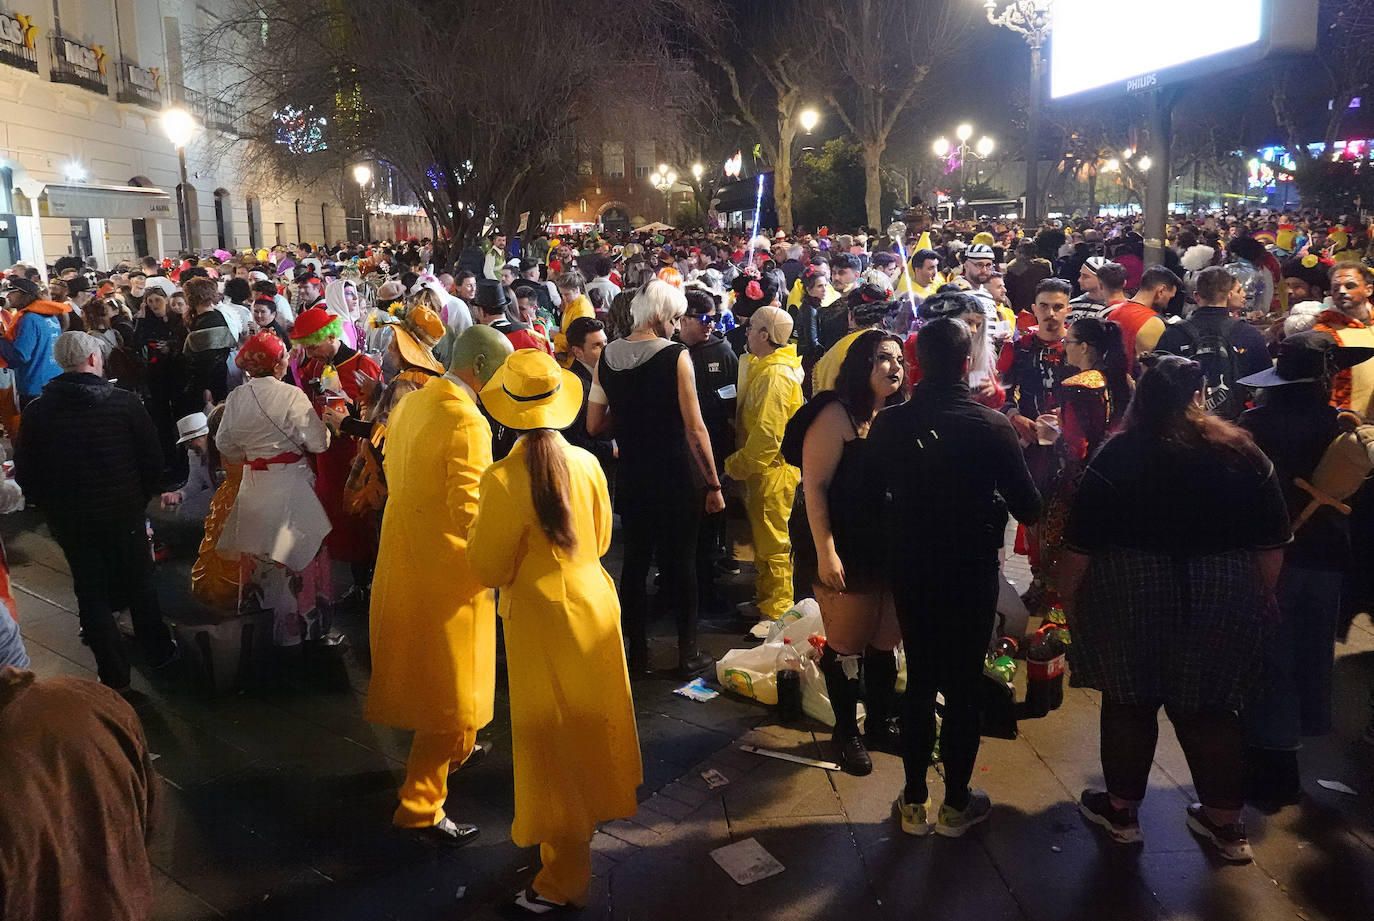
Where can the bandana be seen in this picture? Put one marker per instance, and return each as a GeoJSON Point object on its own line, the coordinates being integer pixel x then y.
{"type": "Point", "coordinates": [260, 354]}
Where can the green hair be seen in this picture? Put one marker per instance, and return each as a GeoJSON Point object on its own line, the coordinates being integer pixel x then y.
{"type": "Point", "coordinates": [334, 328]}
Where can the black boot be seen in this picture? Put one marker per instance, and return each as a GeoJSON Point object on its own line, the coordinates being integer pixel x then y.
{"type": "Point", "coordinates": [844, 700]}
{"type": "Point", "coordinates": [880, 680]}
{"type": "Point", "coordinates": [1272, 778]}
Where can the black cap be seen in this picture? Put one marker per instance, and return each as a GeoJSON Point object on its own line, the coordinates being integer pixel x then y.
{"type": "Point", "coordinates": [77, 284]}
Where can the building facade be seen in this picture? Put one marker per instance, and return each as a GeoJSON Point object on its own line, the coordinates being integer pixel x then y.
{"type": "Point", "coordinates": [617, 191]}
{"type": "Point", "coordinates": [85, 166]}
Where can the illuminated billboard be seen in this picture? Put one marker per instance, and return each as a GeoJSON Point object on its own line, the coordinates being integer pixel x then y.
{"type": "Point", "coordinates": [1170, 41]}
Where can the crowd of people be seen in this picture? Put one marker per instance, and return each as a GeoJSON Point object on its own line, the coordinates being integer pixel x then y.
{"type": "Point", "coordinates": [867, 410]}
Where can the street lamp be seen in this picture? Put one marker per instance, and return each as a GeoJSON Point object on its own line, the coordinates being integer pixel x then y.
{"type": "Point", "coordinates": [944, 149]}
{"type": "Point", "coordinates": [180, 126]}
{"type": "Point", "coordinates": [809, 118]}
{"type": "Point", "coordinates": [697, 171]}
{"type": "Point", "coordinates": [664, 180]}
{"type": "Point", "coordinates": [1030, 19]}
{"type": "Point", "coordinates": [362, 174]}
{"type": "Point", "coordinates": [1143, 163]}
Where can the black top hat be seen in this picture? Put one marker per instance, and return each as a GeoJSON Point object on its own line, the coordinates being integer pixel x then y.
{"type": "Point", "coordinates": [491, 294]}
{"type": "Point", "coordinates": [1306, 357]}
{"type": "Point", "coordinates": [19, 283]}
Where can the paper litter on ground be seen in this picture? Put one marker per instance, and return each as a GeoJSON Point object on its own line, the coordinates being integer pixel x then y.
{"type": "Point", "coordinates": [696, 689]}
{"type": "Point", "coordinates": [746, 861]}
{"type": "Point", "coordinates": [1337, 786]}
{"type": "Point", "coordinates": [714, 778]}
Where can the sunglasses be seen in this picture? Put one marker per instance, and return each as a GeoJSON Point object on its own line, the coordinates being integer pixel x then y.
{"type": "Point", "coordinates": [706, 319]}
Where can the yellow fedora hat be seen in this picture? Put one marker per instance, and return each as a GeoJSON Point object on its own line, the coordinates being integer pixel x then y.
{"type": "Point", "coordinates": [530, 391]}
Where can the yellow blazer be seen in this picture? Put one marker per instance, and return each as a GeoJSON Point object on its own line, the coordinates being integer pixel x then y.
{"type": "Point", "coordinates": [433, 624]}
{"type": "Point", "coordinates": [573, 736]}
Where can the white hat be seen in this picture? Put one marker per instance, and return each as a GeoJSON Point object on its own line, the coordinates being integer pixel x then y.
{"type": "Point", "coordinates": [979, 251]}
{"type": "Point", "coordinates": [160, 283]}
{"type": "Point", "coordinates": [192, 426]}
{"type": "Point", "coordinates": [1094, 264]}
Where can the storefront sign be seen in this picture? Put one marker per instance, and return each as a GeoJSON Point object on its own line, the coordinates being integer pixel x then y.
{"type": "Point", "coordinates": [18, 41]}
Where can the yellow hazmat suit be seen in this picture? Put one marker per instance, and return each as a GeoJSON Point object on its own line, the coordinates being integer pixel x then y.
{"type": "Point", "coordinates": [433, 624]}
{"type": "Point", "coordinates": [828, 368]}
{"type": "Point", "coordinates": [580, 307]}
{"type": "Point", "coordinates": [769, 393]}
{"type": "Point", "coordinates": [573, 736]}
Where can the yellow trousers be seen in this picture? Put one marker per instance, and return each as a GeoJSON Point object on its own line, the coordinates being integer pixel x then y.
{"type": "Point", "coordinates": [768, 503]}
{"type": "Point", "coordinates": [426, 784]}
{"type": "Point", "coordinates": [566, 873]}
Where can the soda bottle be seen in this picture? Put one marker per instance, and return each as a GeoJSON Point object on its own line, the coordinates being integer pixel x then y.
{"type": "Point", "coordinates": [1045, 671]}
{"type": "Point", "coordinates": [788, 668]}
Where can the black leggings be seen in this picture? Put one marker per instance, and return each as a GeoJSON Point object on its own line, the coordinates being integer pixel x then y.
{"type": "Point", "coordinates": [946, 609]}
{"type": "Point", "coordinates": [1213, 742]}
{"type": "Point", "coordinates": [672, 531]}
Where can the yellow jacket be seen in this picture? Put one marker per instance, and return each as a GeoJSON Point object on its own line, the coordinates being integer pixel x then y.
{"type": "Point", "coordinates": [794, 297]}
{"type": "Point", "coordinates": [433, 623]}
{"type": "Point", "coordinates": [573, 736]}
{"type": "Point", "coordinates": [581, 307]}
{"type": "Point", "coordinates": [769, 393]}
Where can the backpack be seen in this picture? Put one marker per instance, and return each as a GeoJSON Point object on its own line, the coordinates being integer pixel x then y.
{"type": "Point", "coordinates": [1210, 346]}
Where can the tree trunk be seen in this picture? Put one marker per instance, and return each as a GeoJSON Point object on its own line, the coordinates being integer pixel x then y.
{"type": "Point", "coordinates": [873, 184]}
{"type": "Point", "coordinates": [1092, 193]}
{"type": "Point", "coordinates": [782, 171]}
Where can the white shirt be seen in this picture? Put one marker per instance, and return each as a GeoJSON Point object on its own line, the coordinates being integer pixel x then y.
{"type": "Point", "coordinates": [607, 288]}
{"type": "Point", "coordinates": [266, 417]}
{"type": "Point", "coordinates": [285, 312]}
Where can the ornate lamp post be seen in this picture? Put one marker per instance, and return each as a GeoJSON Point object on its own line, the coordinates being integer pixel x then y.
{"type": "Point", "coordinates": [664, 179]}
{"type": "Point", "coordinates": [982, 150]}
{"type": "Point", "coordinates": [1030, 19]}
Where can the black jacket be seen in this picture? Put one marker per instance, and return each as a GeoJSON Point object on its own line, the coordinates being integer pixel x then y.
{"type": "Point", "coordinates": [602, 448]}
{"type": "Point", "coordinates": [88, 452]}
{"type": "Point", "coordinates": [951, 469]}
{"type": "Point", "coordinates": [716, 368]}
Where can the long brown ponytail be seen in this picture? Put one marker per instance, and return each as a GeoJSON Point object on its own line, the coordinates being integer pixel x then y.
{"type": "Point", "coordinates": [549, 487]}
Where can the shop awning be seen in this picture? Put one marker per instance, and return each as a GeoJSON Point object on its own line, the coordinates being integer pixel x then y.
{"type": "Point", "coordinates": [103, 201]}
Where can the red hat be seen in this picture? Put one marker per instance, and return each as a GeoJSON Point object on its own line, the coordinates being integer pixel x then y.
{"type": "Point", "coordinates": [310, 323]}
{"type": "Point", "coordinates": [260, 354]}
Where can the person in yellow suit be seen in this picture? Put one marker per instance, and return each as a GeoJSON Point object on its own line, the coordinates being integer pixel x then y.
{"type": "Point", "coordinates": [869, 307]}
{"type": "Point", "coordinates": [543, 523]}
{"type": "Point", "coordinates": [433, 623]}
{"type": "Point", "coordinates": [770, 392]}
{"type": "Point", "coordinates": [573, 290]}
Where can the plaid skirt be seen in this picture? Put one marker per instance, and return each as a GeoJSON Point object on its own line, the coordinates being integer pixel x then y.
{"type": "Point", "coordinates": [1188, 631]}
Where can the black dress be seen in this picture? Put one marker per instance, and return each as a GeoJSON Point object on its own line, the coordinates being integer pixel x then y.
{"type": "Point", "coordinates": [853, 506]}
{"type": "Point", "coordinates": [655, 471]}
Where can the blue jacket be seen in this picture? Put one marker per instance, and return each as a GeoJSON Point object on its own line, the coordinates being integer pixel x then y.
{"type": "Point", "coordinates": [30, 354]}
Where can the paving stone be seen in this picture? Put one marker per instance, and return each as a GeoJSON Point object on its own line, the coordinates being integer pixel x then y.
{"type": "Point", "coordinates": [632, 833]}
{"type": "Point", "coordinates": [672, 808]}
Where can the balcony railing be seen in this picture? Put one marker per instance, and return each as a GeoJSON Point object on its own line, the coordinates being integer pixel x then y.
{"type": "Point", "coordinates": [213, 113]}
{"type": "Point", "coordinates": [139, 86]}
{"type": "Point", "coordinates": [20, 56]}
{"type": "Point", "coordinates": [76, 65]}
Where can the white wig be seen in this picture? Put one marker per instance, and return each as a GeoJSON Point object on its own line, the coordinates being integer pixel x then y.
{"type": "Point", "coordinates": [658, 302]}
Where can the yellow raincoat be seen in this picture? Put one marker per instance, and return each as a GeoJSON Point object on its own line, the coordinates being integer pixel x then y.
{"type": "Point", "coordinates": [581, 307]}
{"type": "Point", "coordinates": [573, 738]}
{"type": "Point", "coordinates": [769, 393]}
{"type": "Point", "coordinates": [828, 368]}
{"type": "Point", "coordinates": [794, 297]}
{"type": "Point", "coordinates": [433, 623]}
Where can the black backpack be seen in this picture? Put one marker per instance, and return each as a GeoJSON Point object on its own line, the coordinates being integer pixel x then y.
{"type": "Point", "coordinates": [1209, 344]}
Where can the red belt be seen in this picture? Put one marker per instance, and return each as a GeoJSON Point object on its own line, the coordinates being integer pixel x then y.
{"type": "Point", "coordinates": [262, 463]}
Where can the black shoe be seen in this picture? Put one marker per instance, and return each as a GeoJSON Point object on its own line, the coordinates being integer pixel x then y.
{"type": "Point", "coordinates": [476, 756]}
{"type": "Point", "coordinates": [694, 665]}
{"type": "Point", "coordinates": [1229, 840]}
{"type": "Point", "coordinates": [450, 833]}
{"type": "Point", "coordinates": [530, 904]}
{"type": "Point", "coordinates": [883, 737]}
{"type": "Point", "coordinates": [852, 756]}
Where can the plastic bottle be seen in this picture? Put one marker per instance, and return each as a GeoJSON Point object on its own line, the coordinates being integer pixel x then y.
{"type": "Point", "coordinates": [788, 666]}
{"type": "Point", "coordinates": [1045, 671]}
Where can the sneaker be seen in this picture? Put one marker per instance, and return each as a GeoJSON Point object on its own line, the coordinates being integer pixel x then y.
{"type": "Point", "coordinates": [852, 756]}
{"type": "Point", "coordinates": [1121, 825]}
{"type": "Point", "coordinates": [1229, 840]}
{"type": "Point", "coordinates": [695, 664]}
{"type": "Point", "coordinates": [954, 822]}
{"type": "Point", "coordinates": [915, 819]}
